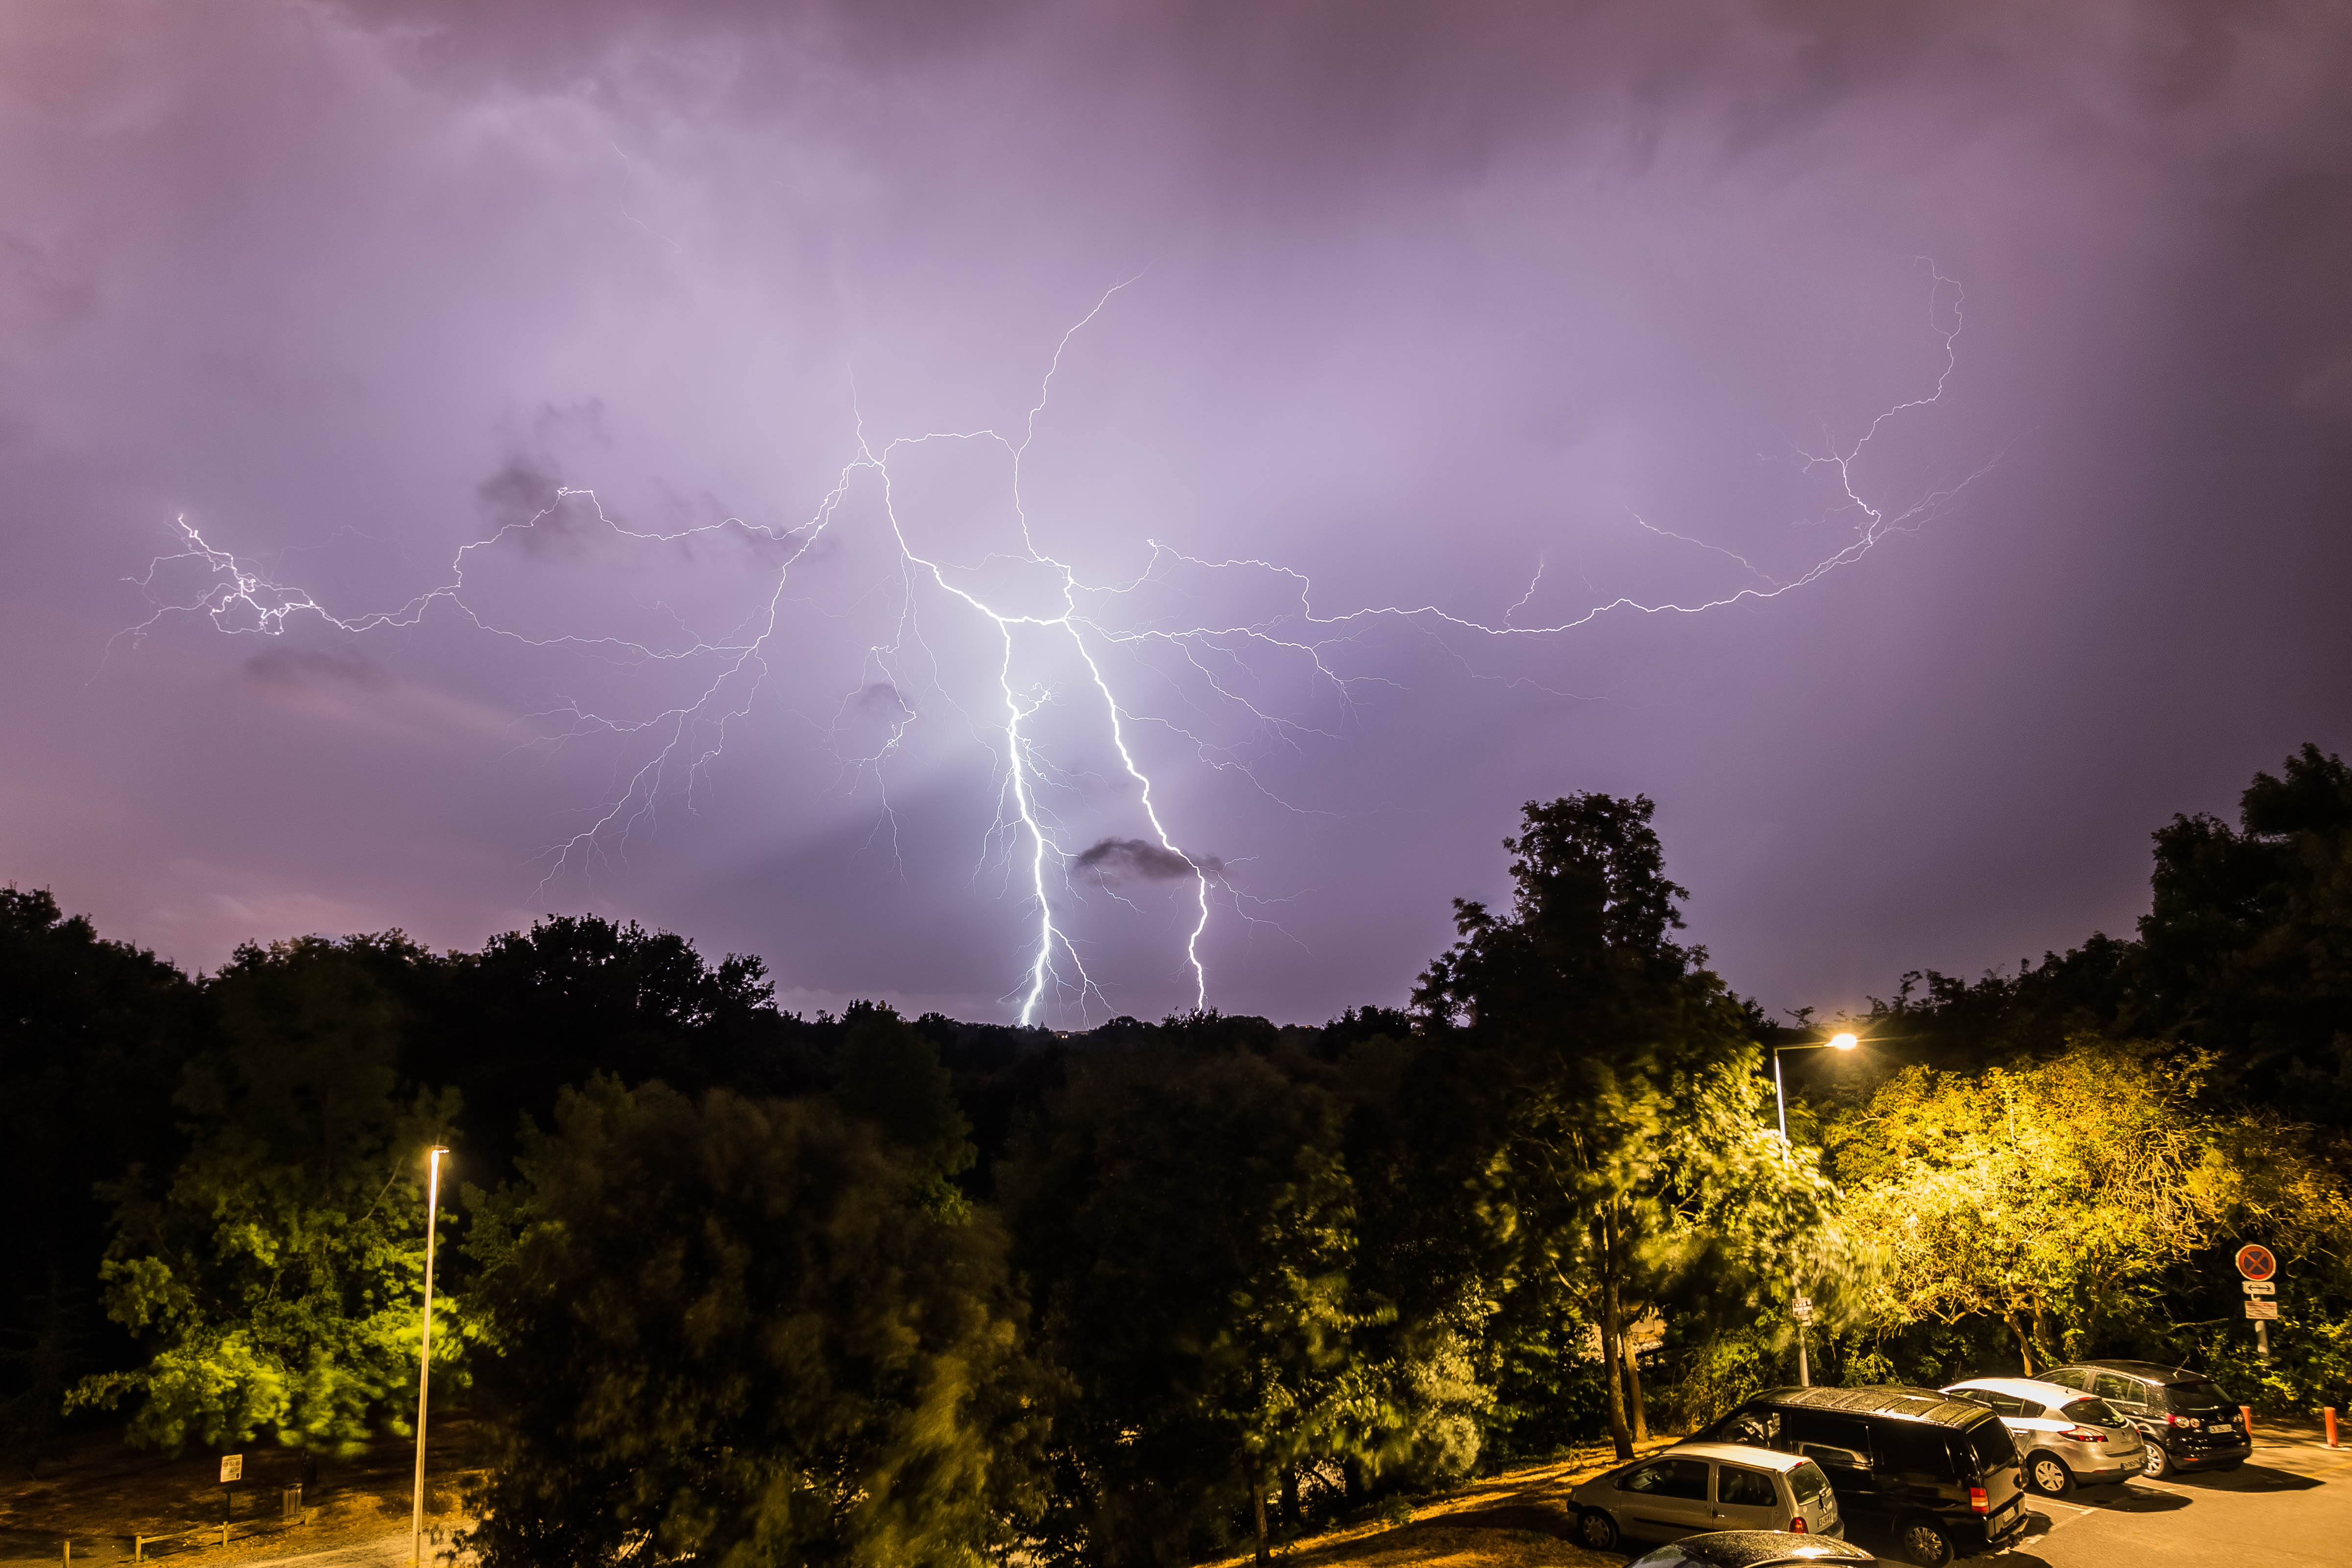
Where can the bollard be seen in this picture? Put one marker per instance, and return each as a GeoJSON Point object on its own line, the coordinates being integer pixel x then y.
{"type": "Point", "coordinates": [2330, 1414]}
{"type": "Point", "coordinates": [2247, 1411]}
{"type": "Point", "coordinates": [68, 1553]}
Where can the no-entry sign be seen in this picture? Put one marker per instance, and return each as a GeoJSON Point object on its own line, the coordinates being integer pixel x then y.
{"type": "Point", "coordinates": [2255, 1262]}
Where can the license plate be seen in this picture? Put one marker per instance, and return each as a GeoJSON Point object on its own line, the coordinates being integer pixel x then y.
{"type": "Point", "coordinates": [2230, 1426]}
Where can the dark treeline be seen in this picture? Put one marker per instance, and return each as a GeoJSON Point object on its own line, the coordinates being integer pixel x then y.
{"type": "Point", "coordinates": [723, 1278]}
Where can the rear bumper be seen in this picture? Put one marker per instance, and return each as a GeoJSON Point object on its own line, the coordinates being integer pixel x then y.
{"type": "Point", "coordinates": [2002, 1526]}
{"type": "Point", "coordinates": [2210, 1458]}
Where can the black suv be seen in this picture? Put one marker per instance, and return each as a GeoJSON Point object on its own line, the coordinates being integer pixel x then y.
{"type": "Point", "coordinates": [1942, 1473]}
{"type": "Point", "coordinates": [2188, 1422]}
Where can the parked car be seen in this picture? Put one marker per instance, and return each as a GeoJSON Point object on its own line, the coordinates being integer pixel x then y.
{"type": "Point", "coordinates": [2069, 1439]}
{"type": "Point", "coordinates": [1942, 1473]}
{"type": "Point", "coordinates": [1755, 1548]}
{"type": "Point", "coordinates": [1701, 1488]}
{"type": "Point", "coordinates": [2188, 1423]}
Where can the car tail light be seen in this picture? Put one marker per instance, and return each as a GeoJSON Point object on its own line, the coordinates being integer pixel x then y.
{"type": "Point", "coordinates": [1797, 1525]}
{"type": "Point", "coordinates": [2172, 1420]}
{"type": "Point", "coordinates": [1978, 1501]}
{"type": "Point", "coordinates": [2084, 1435]}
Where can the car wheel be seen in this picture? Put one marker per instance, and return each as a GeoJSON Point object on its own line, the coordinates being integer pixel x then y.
{"type": "Point", "coordinates": [2048, 1474]}
{"type": "Point", "coordinates": [1923, 1544]}
{"type": "Point", "coordinates": [1597, 1530]}
{"type": "Point", "coordinates": [2158, 1465]}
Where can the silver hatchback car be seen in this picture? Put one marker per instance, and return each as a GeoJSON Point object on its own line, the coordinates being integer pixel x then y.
{"type": "Point", "coordinates": [2069, 1439]}
{"type": "Point", "coordinates": [1696, 1488]}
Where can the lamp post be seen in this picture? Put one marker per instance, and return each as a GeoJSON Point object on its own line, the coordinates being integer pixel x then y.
{"type": "Point", "coordinates": [1840, 1041]}
{"type": "Point", "coordinates": [425, 1355]}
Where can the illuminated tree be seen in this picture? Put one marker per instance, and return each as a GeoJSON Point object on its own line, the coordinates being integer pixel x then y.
{"type": "Point", "coordinates": [276, 1276]}
{"type": "Point", "coordinates": [2051, 1196]}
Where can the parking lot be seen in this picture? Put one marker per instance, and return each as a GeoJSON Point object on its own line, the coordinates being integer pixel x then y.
{"type": "Point", "coordinates": [2291, 1504]}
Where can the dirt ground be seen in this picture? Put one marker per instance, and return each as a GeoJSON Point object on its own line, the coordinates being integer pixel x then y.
{"type": "Point", "coordinates": [100, 1494]}
{"type": "Point", "coordinates": [1519, 1519]}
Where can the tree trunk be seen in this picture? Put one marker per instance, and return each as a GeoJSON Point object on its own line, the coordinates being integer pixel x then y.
{"type": "Point", "coordinates": [1634, 1392]}
{"type": "Point", "coordinates": [1257, 1508]}
{"type": "Point", "coordinates": [1292, 1520]}
{"type": "Point", "coordinates": [2044, 1336]}
{"type": "Point", "coordinates": [2024, 1345]}
{"type": "Point", "coordinates": [1611, 1342]}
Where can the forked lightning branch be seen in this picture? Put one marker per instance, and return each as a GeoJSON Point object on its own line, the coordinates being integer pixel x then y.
{"type": "Point", "coordinates": [1088, 631]}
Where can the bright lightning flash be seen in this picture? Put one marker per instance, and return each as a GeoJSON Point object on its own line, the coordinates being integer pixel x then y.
{"type": "Point", "coordinates": [682, 738]}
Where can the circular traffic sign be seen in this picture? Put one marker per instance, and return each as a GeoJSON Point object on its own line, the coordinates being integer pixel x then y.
{"type": "Point", "coordinates": [2255, 1262]}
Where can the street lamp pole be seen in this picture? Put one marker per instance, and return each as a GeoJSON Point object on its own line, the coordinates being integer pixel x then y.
{"type": "Point", "coordinates": [425, 1355]}
{"type": "Point", "coordinates": [1842, 1041]}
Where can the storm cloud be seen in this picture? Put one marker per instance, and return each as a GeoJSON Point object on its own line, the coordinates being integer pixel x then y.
{"type": "Point", "coordinates": [1113, 860]}
{"type": "Point", "coordinates": [1493, 313]}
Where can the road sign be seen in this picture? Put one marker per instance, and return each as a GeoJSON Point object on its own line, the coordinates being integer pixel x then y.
{"type": "Point", "coordinates": [2256, 1262]}
{"type": "Point", "coordinates": [2261, 1309]}
{"type": "Point", "coordinates": [2259, 1287]}
{"type": "Point", "coordinates": [232, 1467]}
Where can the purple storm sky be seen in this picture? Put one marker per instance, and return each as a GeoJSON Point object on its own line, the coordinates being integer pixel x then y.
{"type": "Point", "coordinates": [1508, 312]}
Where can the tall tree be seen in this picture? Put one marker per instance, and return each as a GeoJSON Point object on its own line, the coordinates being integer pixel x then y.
{"type": "Point", "coordinates": [1607, 1048]}
{"type": "Point", "coordinates": [1185, 1222]}
{"type": "Point", "coordinates": [94, 1036]}
{"type": "Point", "coordinates": [274, 1275]}
{"type": "Point", "coordinates": [2247, 948]}
{"type": "Point", "coordinates": [729, 1334]}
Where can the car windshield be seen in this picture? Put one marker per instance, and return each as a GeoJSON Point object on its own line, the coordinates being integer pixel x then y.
{"type": "Point", "coordinates": [1990, 1444]}
{"type": "Point", "coordinates": [1809, 1481]}
{"type": "Point", "coordinates": [2090, 1411]}
{"type": "Point", "coordinates": [2199, 1395]}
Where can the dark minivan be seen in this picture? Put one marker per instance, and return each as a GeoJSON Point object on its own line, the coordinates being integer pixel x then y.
{"type": "Point", "coordinates": [1942, 1473]}
{"type": "Point", "coordinates": [2188, 1422]}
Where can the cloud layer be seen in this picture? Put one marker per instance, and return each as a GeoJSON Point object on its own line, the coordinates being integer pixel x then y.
{"type": "Point", "coordinates": [1510, 311]}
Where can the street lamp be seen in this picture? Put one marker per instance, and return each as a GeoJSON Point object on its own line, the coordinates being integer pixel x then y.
{"type": "Point", "coordinates": [1842, 1040]}
{"type": "Point", "coordinates": [425, 1355]}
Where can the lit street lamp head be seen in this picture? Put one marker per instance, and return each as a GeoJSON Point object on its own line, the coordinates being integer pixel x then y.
{"type": "Point", "coordinates": [1843, 1042]}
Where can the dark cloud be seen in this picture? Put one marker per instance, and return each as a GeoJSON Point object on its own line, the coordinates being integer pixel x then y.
{"type": "Point", "coordinates": [1114, 860]}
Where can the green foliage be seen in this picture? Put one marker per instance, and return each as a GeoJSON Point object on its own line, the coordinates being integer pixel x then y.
{"type": "Point", "coordinates": [729, 1335]}
{"type": "Point", "coordinates": [1630, 1144]}
{"type": "Point", "coordinates": [889, 1075]}
{"type": "Point", "coordinates": [276, 1279]}
{"type": "Point", "coordinates": [93, 1038]}
{"type": "Point", "coordinates": [2075, 1201]}
{"type": "Point", "coordinates": [1185, 1221]}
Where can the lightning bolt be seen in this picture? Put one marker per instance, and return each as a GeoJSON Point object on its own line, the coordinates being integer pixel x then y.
{"type": "Point", "coordinates": [682, 738]}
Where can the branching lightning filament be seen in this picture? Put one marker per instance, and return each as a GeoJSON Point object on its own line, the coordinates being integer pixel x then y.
{"type": "Point", "coordinates": [1090, 628]}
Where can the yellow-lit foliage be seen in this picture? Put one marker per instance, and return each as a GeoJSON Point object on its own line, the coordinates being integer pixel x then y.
{"type": "Point", "coordinates": [2051, 1196]}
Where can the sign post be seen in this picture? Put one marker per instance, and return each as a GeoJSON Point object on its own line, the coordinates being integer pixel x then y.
{"type": "Point", "coordinates": [2260, 1269]}
{"type": "Point", "coordinates": [232, 1472]}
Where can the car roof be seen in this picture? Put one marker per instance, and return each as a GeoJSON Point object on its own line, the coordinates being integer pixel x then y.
{"type": "Point", "coordinates": [2149, 1370]}
{"type": "Point", "coordinates": [1757, 1548]}
{"type": "Point", "coordinates": [1740, 1453]}
{"type": "Point", "coordinates": [2025, 1388]}
{"type": "Point", "coordinates": [1931, 1406]}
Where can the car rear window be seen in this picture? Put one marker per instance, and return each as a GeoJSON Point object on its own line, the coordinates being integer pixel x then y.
{"type": "Point", "coordinates": [1988, 1444]}
{"type": "Point", "coordinates": [1808, 1481]}
{"type": "Point", "coordinates": [2089, 1412]}
{"type": "Point", "coordinates": [2198, 1395]}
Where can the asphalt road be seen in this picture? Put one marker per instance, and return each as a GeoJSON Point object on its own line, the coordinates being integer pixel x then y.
{"type": "Point", "coordinates": [2290, 1505]}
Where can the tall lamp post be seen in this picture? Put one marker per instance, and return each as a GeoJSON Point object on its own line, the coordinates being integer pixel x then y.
{"type": "Point", "coordinates": [425, 1355]}
{"type": "Point", "coordinates": [1840, 1041]}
